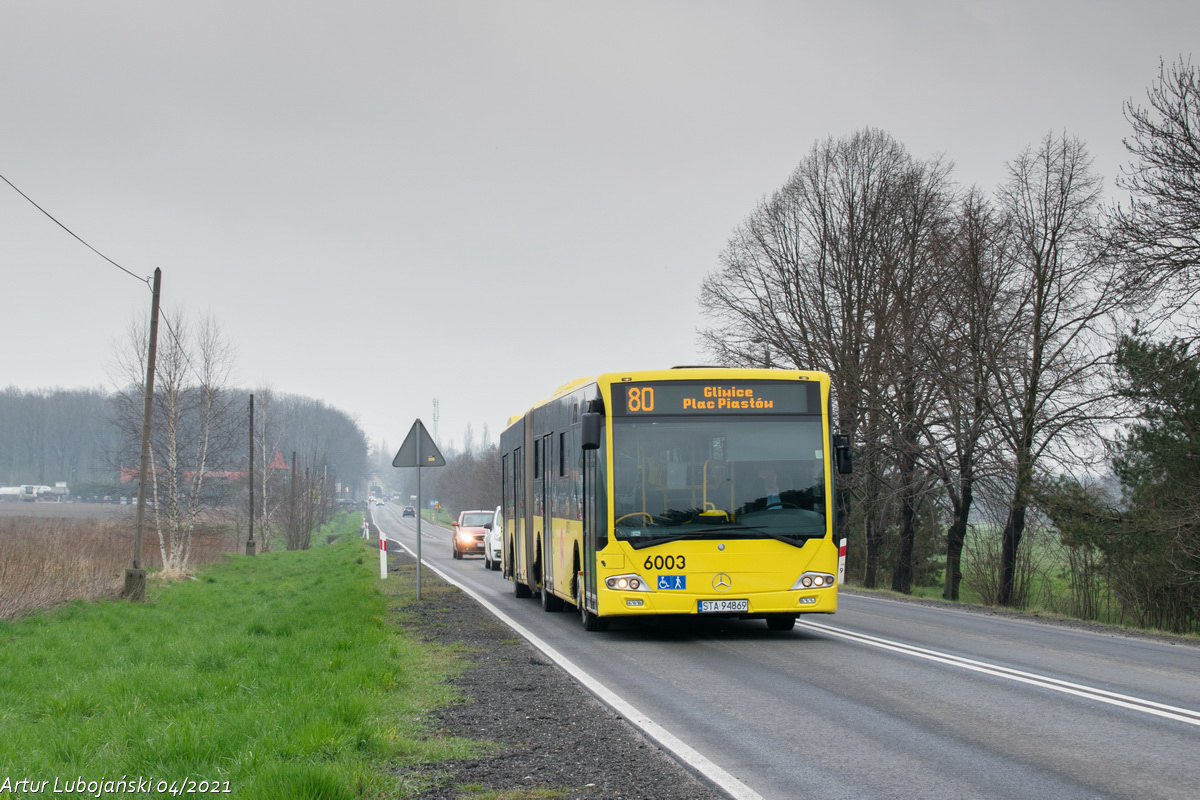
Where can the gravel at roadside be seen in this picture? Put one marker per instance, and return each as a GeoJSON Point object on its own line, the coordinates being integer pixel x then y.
{"type": "Point", "coordinates": [549, 732]}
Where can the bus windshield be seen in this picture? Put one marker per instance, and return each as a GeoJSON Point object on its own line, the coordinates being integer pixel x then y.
{"type": "Point", "coordinates": [718, 478]}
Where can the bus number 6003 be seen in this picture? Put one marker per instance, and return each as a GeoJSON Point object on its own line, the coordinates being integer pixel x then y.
{"type": "Point", "coordinates": [664, 562]}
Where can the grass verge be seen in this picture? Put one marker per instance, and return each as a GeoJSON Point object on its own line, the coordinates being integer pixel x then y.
{"type": "Point", "coordinates": [277, 676]}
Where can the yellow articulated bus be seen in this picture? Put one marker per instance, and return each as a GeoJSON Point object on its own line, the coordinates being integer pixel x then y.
{"type": "Point", "coordinates": [692, 491]}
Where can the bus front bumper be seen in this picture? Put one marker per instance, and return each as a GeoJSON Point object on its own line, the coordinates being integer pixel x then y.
{"type": "Point", "coordinates": [653, 603]}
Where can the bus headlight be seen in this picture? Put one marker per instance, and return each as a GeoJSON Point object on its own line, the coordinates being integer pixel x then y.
{"type": "Point", "coordinates": [631, 582]}
{"type": "Point", "coordinates": [813, 580]}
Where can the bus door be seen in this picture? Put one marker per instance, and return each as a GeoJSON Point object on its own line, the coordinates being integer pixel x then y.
{"type": "Point", "coordinates": [591, 522]}
{"type": "Point", "coordinates": [507, 513]}
{"type": "Point", "coordinates": [547, 509]}
{"type": "Point", "coordinates": [520, 527]}
{"type": "Point", "coordinates": [531, 512]}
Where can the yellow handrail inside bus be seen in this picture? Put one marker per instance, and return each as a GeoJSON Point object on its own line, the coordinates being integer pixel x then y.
{"type": "Point", "coordinates": [710, 509]}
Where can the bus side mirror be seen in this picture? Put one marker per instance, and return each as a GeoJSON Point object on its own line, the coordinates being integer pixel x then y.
{"type": "Point", "coordinates": [591, 430]}
{"type": "Point", "coordinates": [843, 454]}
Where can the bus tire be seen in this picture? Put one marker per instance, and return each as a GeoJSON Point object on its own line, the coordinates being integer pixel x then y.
{"type": "Point", "coordinates": [781, 622]}
{"type": "Point", "coordinates": [590, 621]}
{"type": "Point", "coordinates": [520, 590]}
{"type": "Point", "coordinates": [550, 601]}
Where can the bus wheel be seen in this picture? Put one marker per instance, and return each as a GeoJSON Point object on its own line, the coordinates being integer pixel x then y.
{"type": "Point", "coordinates": [550, 601]}
{"type": "Point", "coordinates": [781, 622]}
{"type": "Point", "coordinates": [520, 590]}
{"type": "Point", "coordinates": [590, 621]}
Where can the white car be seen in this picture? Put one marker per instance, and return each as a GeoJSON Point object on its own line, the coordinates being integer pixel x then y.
{"type": "Point", "coordinates": [494, 541]}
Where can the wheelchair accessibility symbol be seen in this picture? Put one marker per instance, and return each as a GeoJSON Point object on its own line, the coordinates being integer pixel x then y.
{"type": "Point", "coordinates": [672, 582]}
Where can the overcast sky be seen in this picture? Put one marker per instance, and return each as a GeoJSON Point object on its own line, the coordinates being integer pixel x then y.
{"type": "Point", "coordinates": [383, 203]}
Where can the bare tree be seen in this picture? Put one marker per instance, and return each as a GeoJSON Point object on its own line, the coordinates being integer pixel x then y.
{"type": "Point", "coordinates": [913, 281]}
{"type": "Point", "coordinates": [309, 503]}
{"type": "Point", "coordinates": [1157, 234]}
{"type": "Point", "coordinates": [1052, 343]}
{"type": "Point", "coordinates": [801, 285]}
{"type": "Point", "coordinates": [940, 336]}
{"type": "Point", "coordinates": [470, 479]}
{"type": "Point", "coordinates": [270, 489]}
{"type": "Point", "coordinates": [974, 272]}
{"type": "Point", "coordinates": [195, 425]}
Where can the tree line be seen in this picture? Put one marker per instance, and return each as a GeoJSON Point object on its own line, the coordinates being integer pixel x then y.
{"type": "Point", "coordinates": [51, 435]}
{"type": "Point", "coordinates": [996, 355]}
{"type": "Point", "coordinates": [308, 454]}
{"type": "Point", "coordinates": [74, 435]}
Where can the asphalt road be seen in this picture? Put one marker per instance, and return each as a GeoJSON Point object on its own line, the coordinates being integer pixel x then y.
{"type": "Point", "coordinates": [887, 699]}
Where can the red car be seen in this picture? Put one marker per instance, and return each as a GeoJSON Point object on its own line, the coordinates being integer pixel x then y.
{"type": "Point", "coordinates": [470, 533]}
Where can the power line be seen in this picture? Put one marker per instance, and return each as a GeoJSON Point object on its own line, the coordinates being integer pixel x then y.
{"type": "Point", "coordinates": [148, 281]}
{"type": "Point", "coordinates": [68, 230]}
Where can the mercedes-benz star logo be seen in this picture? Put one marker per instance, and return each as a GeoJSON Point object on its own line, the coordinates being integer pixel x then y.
{"type": "Point", "coordinates": [721, 582]}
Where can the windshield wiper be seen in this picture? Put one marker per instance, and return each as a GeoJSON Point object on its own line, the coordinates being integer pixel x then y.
{"type": "Point", "coordinates": [795, 539]}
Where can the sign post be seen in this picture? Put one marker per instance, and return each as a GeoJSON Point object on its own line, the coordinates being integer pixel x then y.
{"type": "Point", "coordinates": [418, 451]}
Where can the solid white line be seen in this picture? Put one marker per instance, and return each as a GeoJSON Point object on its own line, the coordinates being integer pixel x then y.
{"type": "Point", "coordinates": [697, 762]}
{"type": "Point", "coordinates": [1066, 687]}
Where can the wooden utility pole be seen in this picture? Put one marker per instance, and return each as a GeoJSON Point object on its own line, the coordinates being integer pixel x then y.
{"type": "Point", "coordinates": [250, 544]}
{"type": "Point", "coordinates": [293, 526]}
{"type": "Point", "coordinates": [135, 576]}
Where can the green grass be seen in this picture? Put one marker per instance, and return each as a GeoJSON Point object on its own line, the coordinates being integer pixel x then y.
{"type": "Point", "coordinates": [1044, 563]}
{"type": "Point", "coordinates": [437, 517]}
{"type": "Point", "coordinates": [280, 674]}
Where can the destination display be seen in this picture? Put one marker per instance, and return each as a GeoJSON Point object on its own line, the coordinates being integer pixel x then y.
{"type": "Point", "coordinates": [686, 398]}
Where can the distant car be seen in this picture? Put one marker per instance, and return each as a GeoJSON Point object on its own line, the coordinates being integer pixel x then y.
{"type": "Point", "coordinates": [409, 511]}
{"type": "Point", "coordinates": [494, 541]}
{"type": "Point", "coordinates": [469, 531]}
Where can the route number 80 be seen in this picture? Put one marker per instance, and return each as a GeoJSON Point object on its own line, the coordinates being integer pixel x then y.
{"type": "Point", "coordinates": [641, 398]}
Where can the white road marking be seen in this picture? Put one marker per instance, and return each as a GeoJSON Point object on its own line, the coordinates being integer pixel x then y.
{"type": "Point", "coordinates": [1066, 687]}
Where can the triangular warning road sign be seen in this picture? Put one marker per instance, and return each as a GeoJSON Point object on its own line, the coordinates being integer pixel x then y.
{"type": "Point", "coordinates": [418, 450]}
